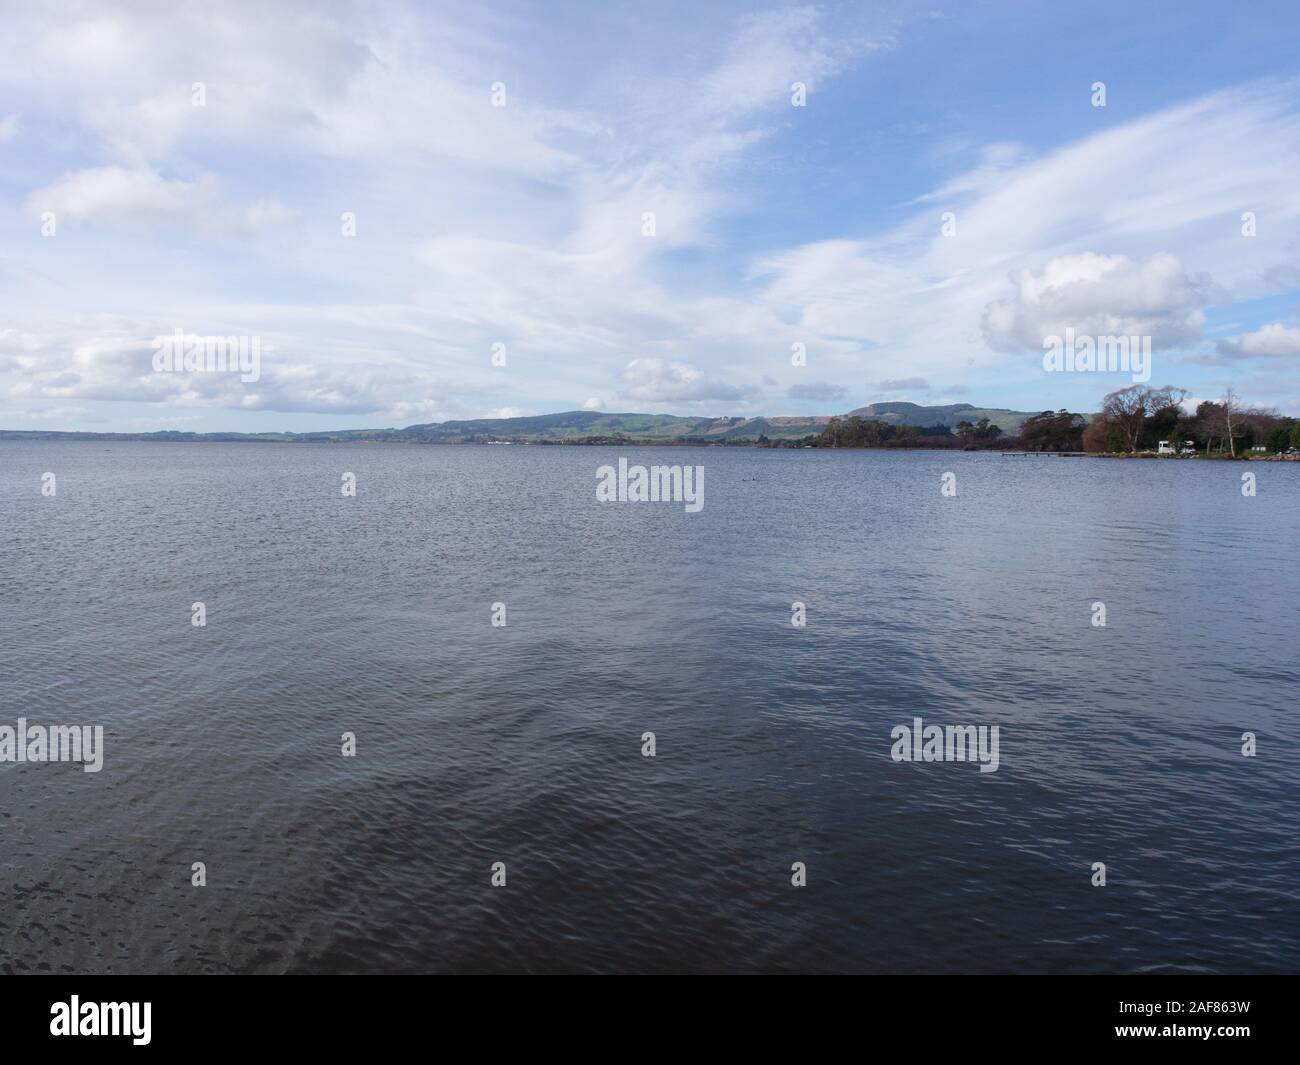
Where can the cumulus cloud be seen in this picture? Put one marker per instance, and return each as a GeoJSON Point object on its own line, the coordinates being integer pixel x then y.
{"type": "Point", "coordinates": [662, 380]}
{"type": "Point", "coordinates": [1101, 295]}
{"type": "Point", "coordinates": [109, 358]}
{"type": "Point", "coordinates": [1272, 341]}
{"type": "Point", "coordinates": [914, 301]}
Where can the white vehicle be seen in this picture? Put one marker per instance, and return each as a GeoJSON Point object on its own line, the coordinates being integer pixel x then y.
{"type": "Point", "coordinates": [1165, 449]}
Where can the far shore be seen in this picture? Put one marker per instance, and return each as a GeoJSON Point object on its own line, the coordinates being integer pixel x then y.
{"type": "Point", "coordinates": [1007, 449]}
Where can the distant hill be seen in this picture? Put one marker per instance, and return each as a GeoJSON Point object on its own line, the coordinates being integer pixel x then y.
{"type": "Point", "coordinates": [592, 426]}
{"type": "Point", "coordinates": [580, 424]}
{"type": "Point", "coordinates": [567, 427]}
{"type": "Point", "coordinates": [1009, 421]}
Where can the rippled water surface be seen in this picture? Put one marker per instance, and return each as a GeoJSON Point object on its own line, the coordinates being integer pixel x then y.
{"type": "Point", "coordinates": [522, 744]}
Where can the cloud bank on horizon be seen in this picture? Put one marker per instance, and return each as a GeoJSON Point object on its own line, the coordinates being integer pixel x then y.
{"type": "Point", "coordinates": [433, 211]}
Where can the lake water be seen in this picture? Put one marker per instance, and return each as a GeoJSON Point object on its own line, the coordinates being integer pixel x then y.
{"type": "Point", "coordinates": [522, 744]}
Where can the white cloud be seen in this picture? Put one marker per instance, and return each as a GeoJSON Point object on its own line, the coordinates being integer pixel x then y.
{"type": "Point", "coordinates": [523, 224]}
{"type": "Point", "coordinates": [111, 358]}
{"type": "Point", "coordinates": [820, 391]}
{"type": "Point", "coordinates": [1272, 341]}
{"type": "Point", "coordinates": [70, 416]}
{"type": "Point", "coordinates": [772, 50]}
{"type": "Point", "coordinates": [662, 380]}
{"type": "Point", "coordinates": [1101, 295]}
{"type": "Point", "coordinates": [114, 195]}
{"type": "Point", "coordinates": [1148, 203]}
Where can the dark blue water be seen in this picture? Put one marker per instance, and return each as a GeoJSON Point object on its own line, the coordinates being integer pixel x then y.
{"type": "Point", "coordinates": [522, 744]}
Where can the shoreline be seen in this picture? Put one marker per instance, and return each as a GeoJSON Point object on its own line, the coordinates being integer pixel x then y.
{"type": "Point", "coordinates": [15, 436]}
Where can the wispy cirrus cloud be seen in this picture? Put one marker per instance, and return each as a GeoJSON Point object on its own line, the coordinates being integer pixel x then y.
{"type": "Point", "coordinates": [524, 225]}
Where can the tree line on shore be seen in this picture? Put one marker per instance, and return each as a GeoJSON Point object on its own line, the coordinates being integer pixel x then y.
{"type": "Point", "coordinates": [1137, 418]}
{"type": "Point", "coordinates": [1131, 420]}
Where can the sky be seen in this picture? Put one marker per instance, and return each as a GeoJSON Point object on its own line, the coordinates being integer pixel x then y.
{"type": "Point", "coordinates": [421, 212]}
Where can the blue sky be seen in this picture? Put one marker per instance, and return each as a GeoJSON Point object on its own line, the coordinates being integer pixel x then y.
{"type": "Point", "coordinates": [523, 225]}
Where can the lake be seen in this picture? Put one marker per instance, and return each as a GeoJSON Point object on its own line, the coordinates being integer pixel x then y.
{"type": "Point", "coordinates": [523, 743]}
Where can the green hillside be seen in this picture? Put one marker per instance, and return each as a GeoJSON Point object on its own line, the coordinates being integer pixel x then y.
{"type": "Point", "coordinates": [900, 413]}
{"type": "Point", "coordinates": [581, 426]}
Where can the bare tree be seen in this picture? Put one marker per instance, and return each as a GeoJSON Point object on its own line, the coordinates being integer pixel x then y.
{"type": "Point", "coordinates": [1229, 406]}
{"type": "Point", "coordinates": [1130, 407]}
{"type": "Point", "coordinates": [1126, 408]}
